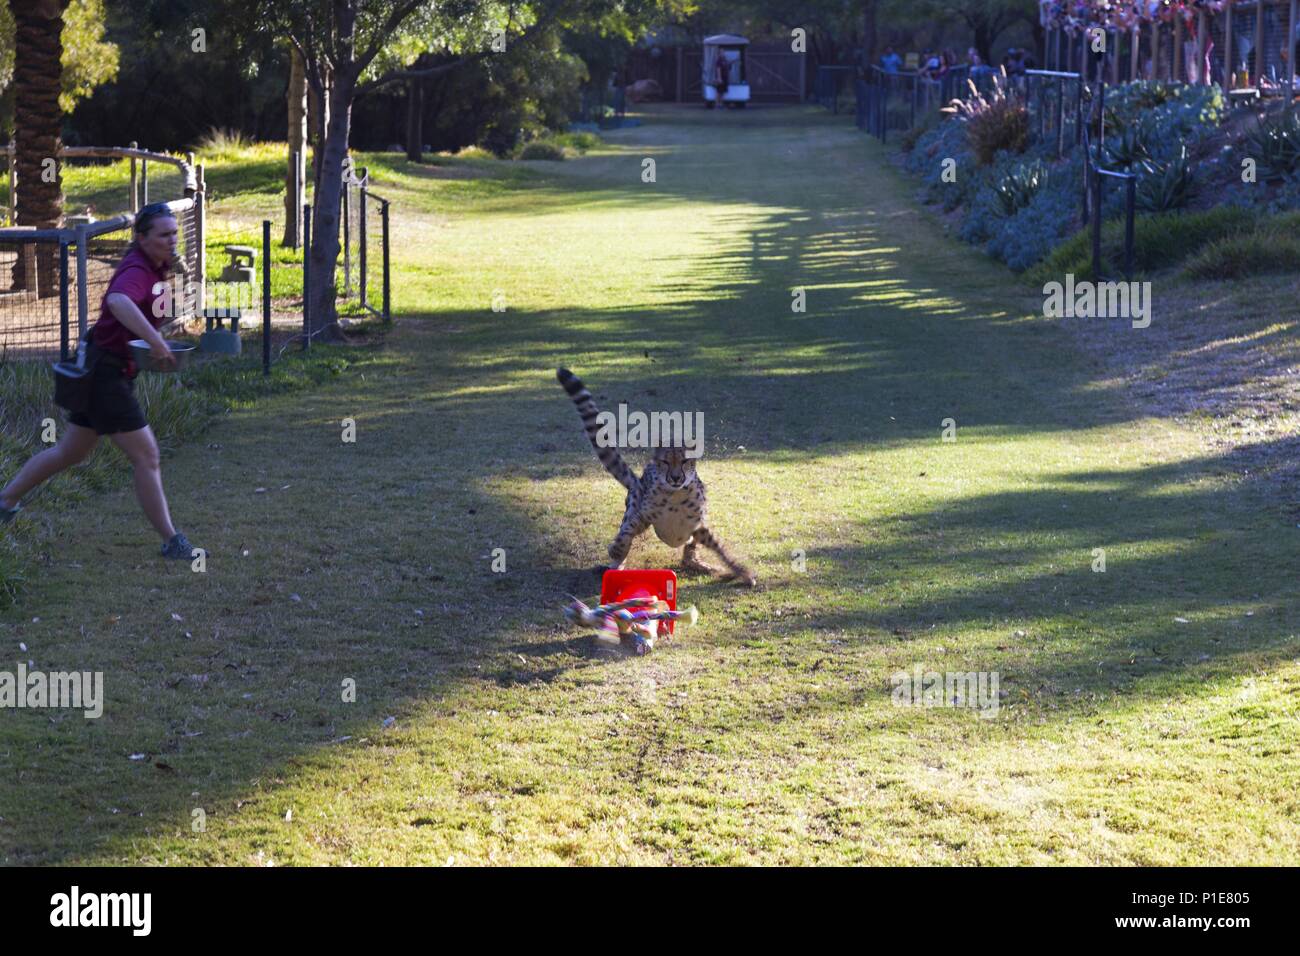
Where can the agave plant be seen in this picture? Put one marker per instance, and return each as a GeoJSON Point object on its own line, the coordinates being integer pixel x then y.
{"type": "Point", "coordinates": [1274, 143]}
{"type": "Point", "coordinates": [1166, 186]}
{"type": "Point", "coordinates": [1016, 190]}
{"type": "Point", "coordinates": [1128, 148]}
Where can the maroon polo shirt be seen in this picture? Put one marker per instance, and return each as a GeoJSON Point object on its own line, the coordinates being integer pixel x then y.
{"type": "Point", "coordinates": [136, 278]}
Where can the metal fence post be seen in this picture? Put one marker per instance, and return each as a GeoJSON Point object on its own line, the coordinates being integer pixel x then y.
{"type": "Point", "coordinates": [83, 306]}
{"type": "Point", "coordinates": [1130, 203]}
{"type": "Point", "coordinates": [135, 182]}
{"type": "Point", "coordinates": [266, 297]}
{"type": "Point", "coordinates": [1060, 116]}
{"type": "Point", "coordinates": [361, 246]}
{"type": "Point", "coordinates": [388, 314]}
{"type": "Point", "coordinates": [306, 277]}
{"type": "Point", "coordinates": [1101, 111]}
{"type": "Point", "coordinates": [297, 194]}
{"type": "Point", "coordinates": [1083, 72]}
{"type": "Point", "coordinates": [63, 300]}
{"type": "Point", "coordinates": [1097, 180]}
{"type": "Point", "coordinates": [347, 241]}
{"type": "Point", "coordinates": [144, 182]}
{"type": "Point", "coordinates": [200, 236]}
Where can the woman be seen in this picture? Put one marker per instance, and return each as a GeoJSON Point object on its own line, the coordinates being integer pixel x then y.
{"type": "Point", "coordinates": [130, 310]}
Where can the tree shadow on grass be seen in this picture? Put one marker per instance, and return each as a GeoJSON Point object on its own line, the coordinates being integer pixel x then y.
{"type": "Point", "coordinates": [251, 699]}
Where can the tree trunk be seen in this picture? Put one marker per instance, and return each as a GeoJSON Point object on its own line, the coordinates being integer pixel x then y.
{"type": "Point", "coordinates": [869, 32]}
{"type": "Point", "coordinates": [415, 90]}
{"type": "Point", "coordinates": [297, 150]}
{"type": "Point", "coordinates": [319, 115]}
{"type": "Point", "coordinates": [984, 42]}
{"type": "Point", "coordinates": [38, 120]}
{"type": "Point", "coordinates": [415, 121]}
{"type": "Point", "coordinates": [325, 213]}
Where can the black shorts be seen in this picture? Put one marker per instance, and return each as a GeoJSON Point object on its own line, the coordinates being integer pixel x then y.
{"type": "Point", "coordinates": [113, 407]}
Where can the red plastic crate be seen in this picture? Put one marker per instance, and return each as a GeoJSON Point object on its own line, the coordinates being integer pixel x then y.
{"type": "Point", "coordinates": [624, 585]}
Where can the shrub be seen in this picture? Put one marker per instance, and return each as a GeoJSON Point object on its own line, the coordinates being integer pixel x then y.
{"type": "Point", "coordinates": [1128, 147]}
{"type": "Point", "coordinates": [580, 141]}
{"type": "Point", "coordinates": [1159, 241]}
{"type": "Point", "coordinates": [1274, 143]}
{"type": "Point", "coordinates": [1022, 239]}
{"type": "Point", "coordinates": [1165, 186]}
{"type": "Point", "coordinates": [218, 142]}
{"type": "Point", "coordinates": [993, 123]}
{"type": "Point", "coordinates": [1140, 96]}
{"type": "Point", "coordinates": [1016, 189]}
{"type": "Point", "coordinates": [542, 149]}
{"type": "Point", "coordinates": [1271, 248]}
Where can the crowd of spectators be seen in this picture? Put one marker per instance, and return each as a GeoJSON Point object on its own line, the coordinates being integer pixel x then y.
{"type": "Point", "coordinates": [935, 64]}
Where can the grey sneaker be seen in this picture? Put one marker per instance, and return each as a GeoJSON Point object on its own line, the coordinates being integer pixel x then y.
{"type": "Point", "coordinates": [8, 514]}
{"type": "Point", "coordinates": [178, 547]}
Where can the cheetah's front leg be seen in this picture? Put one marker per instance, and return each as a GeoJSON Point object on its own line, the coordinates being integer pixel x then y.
{"type": "Point", "coordinates": [632, 526]}
{"type": "Point", "coordinates": [705, 537]}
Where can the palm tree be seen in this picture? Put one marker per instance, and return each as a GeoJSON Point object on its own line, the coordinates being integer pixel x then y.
{"type": "Point", "coordinates": [38, 121]}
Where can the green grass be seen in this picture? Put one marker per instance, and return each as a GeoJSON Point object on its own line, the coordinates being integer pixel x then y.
{"type": "Point", "coordinates": [1272, 248]}
{"type": "Point", "coordinates": [1160, 241]}
{"type": "Point", "coordinates": [767, 734]}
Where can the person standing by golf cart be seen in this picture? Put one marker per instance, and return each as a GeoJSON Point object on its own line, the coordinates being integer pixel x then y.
{"type": "Point", "coordinates": [130, 310]}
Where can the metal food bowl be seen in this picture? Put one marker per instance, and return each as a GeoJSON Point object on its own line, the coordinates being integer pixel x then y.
{"type": "Point", "coordinates": [145, 362]}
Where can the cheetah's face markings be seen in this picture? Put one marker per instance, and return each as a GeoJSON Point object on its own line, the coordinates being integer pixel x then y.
{"type": "Point", "coordinates": [674, 468]}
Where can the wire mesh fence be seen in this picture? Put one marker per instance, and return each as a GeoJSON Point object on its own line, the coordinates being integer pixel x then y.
{"type": "Point", "coordinates": [53, 281]}
{"type": "Point", "coordinates": [373, 253]}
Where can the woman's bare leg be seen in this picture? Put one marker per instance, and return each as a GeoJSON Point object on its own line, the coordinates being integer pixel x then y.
{"type": "Point", "coordinates": [141, 448]}
{"type": "Point", "coordinates": [75, 445]}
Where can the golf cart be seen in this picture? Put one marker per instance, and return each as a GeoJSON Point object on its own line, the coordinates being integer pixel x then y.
{"type": "Point", "coordinates": [724, 59]}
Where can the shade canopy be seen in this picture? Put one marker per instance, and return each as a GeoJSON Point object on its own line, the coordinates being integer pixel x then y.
{"type": "Point", "coordinates": [725, 39]}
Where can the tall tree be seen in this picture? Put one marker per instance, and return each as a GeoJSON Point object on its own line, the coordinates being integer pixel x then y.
{"type": "Point", "coordinates": [339, 40]}
{"type": "Point", "coordinates": [986, 19]}
{"type": "Point", "coordinates": [38, 118]}
{"type": "Point", "coordinates": [88, 60]}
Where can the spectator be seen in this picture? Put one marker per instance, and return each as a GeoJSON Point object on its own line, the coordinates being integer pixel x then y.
{"type": "Point", "coordinates": [978, 67]}
{"type": "Point", "coordinates": [891, 62]}
{"type": "Point", "coordinates": [931, 64]}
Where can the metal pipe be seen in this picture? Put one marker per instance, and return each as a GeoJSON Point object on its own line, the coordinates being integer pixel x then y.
{"type": "Point", "coordinates": [63, 301]}
{"type": "Point", "coordinates": [1060, 118]}
{"type": "Point", "coordinates": [1096, 225]}
{"type": "Point", "coordinates": [388, 314]}
{"type": "Point", "coordinates": [1130, 202]}
{"type": "Point", "coordinates": [306, 277]}
{"type": "Point", "coordinates": [266, 297]}
{"type": "Point", "coordinates": [135, 182]}
{"type": "Point", "coordinates": [83, 306]}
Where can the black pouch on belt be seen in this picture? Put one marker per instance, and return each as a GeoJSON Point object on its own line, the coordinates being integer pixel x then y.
{"type": "Point", "coordinates": [73, 381]}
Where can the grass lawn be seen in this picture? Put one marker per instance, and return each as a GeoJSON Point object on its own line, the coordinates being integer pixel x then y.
{"type": "Point", "coordinates": [1148, 713]}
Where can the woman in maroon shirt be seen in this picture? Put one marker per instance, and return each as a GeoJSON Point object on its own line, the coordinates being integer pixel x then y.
{"type": "Point", "coordinates": [132, 309]}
